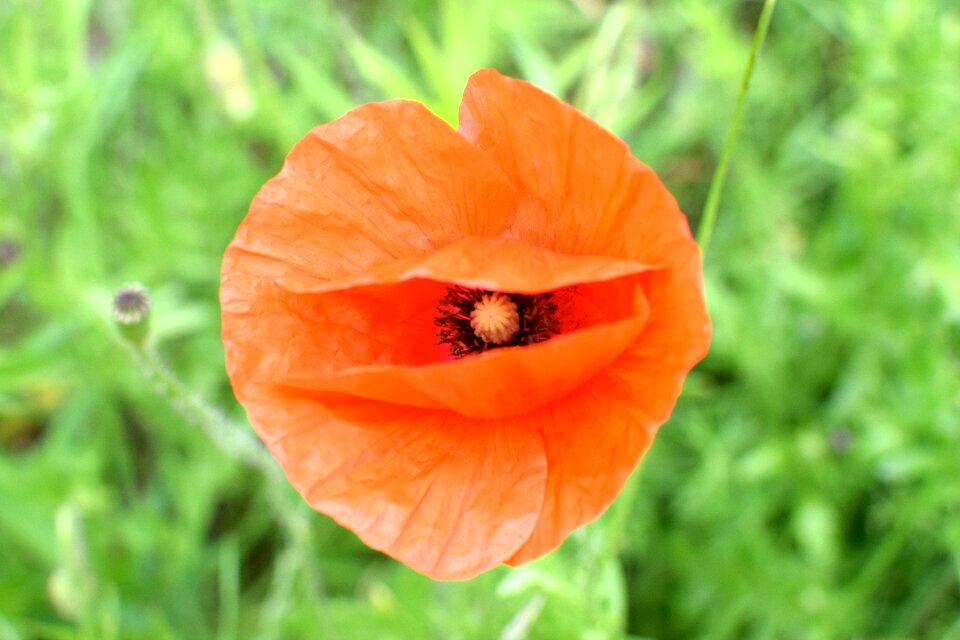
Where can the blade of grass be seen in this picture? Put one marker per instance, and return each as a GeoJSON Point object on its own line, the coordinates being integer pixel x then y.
{"type": "Point", "coordinates": [709, 217]}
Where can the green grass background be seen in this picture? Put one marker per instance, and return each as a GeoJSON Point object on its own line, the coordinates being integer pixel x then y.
{"type": "Point", "coordinates": [808, 484]}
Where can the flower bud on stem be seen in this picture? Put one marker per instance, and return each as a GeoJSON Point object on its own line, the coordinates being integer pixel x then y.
{"type": "Point", "coordinates": [131, 306]}
{"type": "Point", "coordinates": [131, 312]}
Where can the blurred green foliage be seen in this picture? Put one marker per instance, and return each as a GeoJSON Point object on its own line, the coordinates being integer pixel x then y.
{"type": "Point", "coordinates": [807, 485]}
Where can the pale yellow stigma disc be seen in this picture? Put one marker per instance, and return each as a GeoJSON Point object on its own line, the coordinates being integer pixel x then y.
{"type": "Point", "coordinates": [495, 319]}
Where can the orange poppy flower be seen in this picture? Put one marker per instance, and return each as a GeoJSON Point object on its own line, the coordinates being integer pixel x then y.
{"type": "Point", "coordinates": [459, 344]}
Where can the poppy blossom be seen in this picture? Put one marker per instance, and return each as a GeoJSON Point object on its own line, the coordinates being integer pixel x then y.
{"type": "Point", "coordinates": [459, 343]}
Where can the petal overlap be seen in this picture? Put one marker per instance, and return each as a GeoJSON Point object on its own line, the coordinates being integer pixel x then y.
{"type": "Point", "coordinates": [476, 386]}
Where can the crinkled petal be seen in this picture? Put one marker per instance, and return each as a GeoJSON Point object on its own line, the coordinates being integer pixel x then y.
{"type": "Point", "coordinates": [583, 192]}
{"type": "Point", "coordinates": [385, 182]}
{"type": "Point", "coordinates": [448, 496]}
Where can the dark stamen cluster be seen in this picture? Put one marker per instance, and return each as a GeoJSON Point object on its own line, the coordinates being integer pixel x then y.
{"type": "Point", "coordinates": [537, 320]}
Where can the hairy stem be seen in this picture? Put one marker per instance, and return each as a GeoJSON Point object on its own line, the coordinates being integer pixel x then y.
{"type": "Point", "coordinates": [229, 437]}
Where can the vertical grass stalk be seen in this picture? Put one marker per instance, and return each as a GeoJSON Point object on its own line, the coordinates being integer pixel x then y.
{"type": "Point", "coordinates": [709, 217]}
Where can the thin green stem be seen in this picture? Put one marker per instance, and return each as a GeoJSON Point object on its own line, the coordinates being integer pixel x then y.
{"type": "Point", "coordinates": [709, 217]}
{"type": "Point", "coordinates": [228, 436]}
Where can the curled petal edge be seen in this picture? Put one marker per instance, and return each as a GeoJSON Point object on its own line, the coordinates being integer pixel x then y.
{"type": "Point", "coordinates": [503, 382]}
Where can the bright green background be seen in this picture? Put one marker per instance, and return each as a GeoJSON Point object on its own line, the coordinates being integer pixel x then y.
{"type": "Point", "coordinates": [808, 484]}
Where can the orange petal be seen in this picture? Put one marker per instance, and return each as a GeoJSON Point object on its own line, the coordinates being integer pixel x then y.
{"type": "Point", "coordinates": [495, 384]}
{"type": "Point", "coordinates": [384, 182]}
{"type": "Point", "coordinates": [596, 436]}
{"type": "Point", "coordinates": [448, 496]}
{"type": "Point", "coordinates": [583, 192]}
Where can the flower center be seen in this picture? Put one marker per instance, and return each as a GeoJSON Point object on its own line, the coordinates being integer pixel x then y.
{"type": "Point", "coordinates": [477, 320]}
{"type": "Point", "coordinates": [495, 319]}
